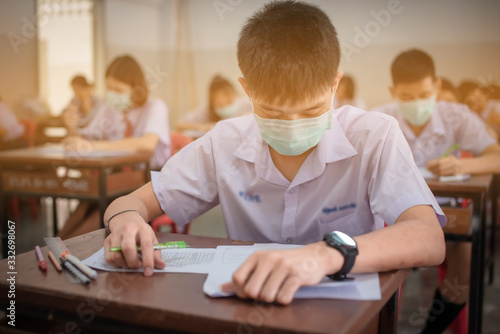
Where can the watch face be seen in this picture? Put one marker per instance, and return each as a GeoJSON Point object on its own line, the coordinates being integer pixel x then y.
{"type": "Point", "coordinates": [343, 239]}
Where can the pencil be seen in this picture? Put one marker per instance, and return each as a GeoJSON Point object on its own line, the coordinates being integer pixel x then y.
{"type": "Point", "coordinates": [54, 261]}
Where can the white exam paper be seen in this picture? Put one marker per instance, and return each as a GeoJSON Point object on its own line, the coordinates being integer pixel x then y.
{"type": "Point", "coordinates": [183, 260]}
{"type": "Point", "coordinates": [229, 258]}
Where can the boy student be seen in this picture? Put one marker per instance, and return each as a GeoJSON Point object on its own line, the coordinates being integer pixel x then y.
{"type": "Point", "coordinates": [431, 128]}
{"type": "Point", "coordinates": [295, 171]}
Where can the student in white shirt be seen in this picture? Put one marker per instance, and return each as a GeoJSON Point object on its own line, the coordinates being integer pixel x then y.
{"type": "Point", "coordinates": [144, 124]}
{"type": "Point", "coordinates": [223, 103]}
{"type": "Point", "coordinates": [431, 128]}
{"type": "Point", "coordinates": [478, 99]}
{"type": "Point", "coordinates": [448, 92]}
{"type": "Point", "coordinates": [11, 130]}
{"type": "Point", "coordinates": [294, 170]}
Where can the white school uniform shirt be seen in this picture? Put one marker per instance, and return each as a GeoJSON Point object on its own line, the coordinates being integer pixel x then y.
{"type": "Point", "coordinates": [450, 124]}
{"type": "Point", "coordinates": [152, 117]}
{"type": "Point", "coordinates": [9, 122]}
{"type": "Point", "coordinates": [361, 174]}
{"type": "Point", "coordinates": [201, 114]}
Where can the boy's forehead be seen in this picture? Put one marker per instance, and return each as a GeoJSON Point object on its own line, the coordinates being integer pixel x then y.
{"type": "Point", "coordinates": [281, 102]}
{"type": "Point", "coordinates": [425, 83]}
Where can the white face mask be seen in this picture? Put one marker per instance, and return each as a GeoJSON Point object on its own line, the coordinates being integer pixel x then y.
{"type": "Point", "coordinates": [294, 137]}
{"type": "Point", "coordinates": [417, 112]}
{"type": "Point", "coordinates": [228, 111]}
{"type": "Point", "coordinates": [118, 101]}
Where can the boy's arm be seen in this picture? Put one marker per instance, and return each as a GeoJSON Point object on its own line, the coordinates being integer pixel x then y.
{"type": "Point", "coordinates": [415, 240]}
{"type": "Point", "coordinates": [128, 230]}
{"type": "Point", "coordinates": [487, 162]}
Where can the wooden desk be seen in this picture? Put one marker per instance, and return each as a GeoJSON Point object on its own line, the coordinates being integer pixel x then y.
{"type": "Point", "coordinates": [33, 172]}
{"type": "Point", "coordinates": [176, 302]}
{"type": "Point", "coordinates": [477, 189]}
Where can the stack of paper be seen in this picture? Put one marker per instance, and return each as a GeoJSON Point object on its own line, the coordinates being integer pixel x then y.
{"type": "Point", "coordinates": [221, 263]}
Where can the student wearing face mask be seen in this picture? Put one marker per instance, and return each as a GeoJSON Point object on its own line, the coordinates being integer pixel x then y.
{"type": "Point", "coordinates": [295, 171]}
{"type": "Point", "coordinates": [431, 128]}
{"type": "Point", "coordinates": [223, 103]}
{"type": "Point", "coordinates": [85, 111]}
{"type": "Point", "coordinates": [482, 101]}
{"type": "Point", "coordinates": [143, 126]}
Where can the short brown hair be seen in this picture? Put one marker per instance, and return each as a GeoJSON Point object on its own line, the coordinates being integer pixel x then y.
{"type": "Point", "coordinates": [288, 51]}
{"type": "Point", "coordinates": [127, 70]}
{"type": "Point", "coordinates": [80, 80]}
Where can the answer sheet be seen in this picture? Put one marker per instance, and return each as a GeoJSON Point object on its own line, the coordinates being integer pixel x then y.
{"type": "Point", "coordinates": [229, 258]}
{"type": "Point", "coordinates": [184, 260]}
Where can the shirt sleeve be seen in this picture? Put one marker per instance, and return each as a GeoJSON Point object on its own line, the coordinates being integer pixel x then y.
{"type": "Point", "coordinates": [156, 121]}
{"type": "Point", "coordinates": [198, 115]}
{"type": "Point", "coordinates": [471, 133]}
{"type": "Point", "coordinates": [396, 183]}
{"type": "Point", "coordinates": [187, 185]}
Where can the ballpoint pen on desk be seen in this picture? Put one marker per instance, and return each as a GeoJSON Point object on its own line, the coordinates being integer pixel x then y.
{"type": "Point", "coordinates": [41, 261]}
{"type": "Point", "coordinates": [451, 149]}
{"type": "Point", "coordinates": [165, 245]}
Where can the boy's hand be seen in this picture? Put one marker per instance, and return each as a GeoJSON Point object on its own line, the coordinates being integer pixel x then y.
{"type": "Point", "coordinates": [445, 166]}
{"type": "Point", "coordinates": [275, 276]}
{"type": "Point", "coordinates": [129, 231]}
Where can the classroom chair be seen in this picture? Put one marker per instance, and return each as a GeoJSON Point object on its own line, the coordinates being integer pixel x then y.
{"type": "Point", "coordinates": [177, 141]}
{"type": "Point", "coordinates": [30, 127]}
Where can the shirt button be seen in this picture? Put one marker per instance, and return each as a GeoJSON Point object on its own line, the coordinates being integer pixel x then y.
{"type": "Point", "coordinates": [288, 241]}
{"type": "Point", "coordinates": [291, 191]}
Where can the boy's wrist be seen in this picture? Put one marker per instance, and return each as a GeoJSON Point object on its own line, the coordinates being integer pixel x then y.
{"type": "Point", "coordinates": [122, 214]}
{"type": "Point", "coordinates": [334, 260]}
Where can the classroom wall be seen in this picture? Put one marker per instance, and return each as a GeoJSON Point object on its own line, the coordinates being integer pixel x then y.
{"type": "Point", "coordinates": [18, 52]}
{"type": "Point", "coordinates": [462, 36]}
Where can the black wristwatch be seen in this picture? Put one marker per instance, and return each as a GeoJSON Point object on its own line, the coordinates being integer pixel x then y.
{"type": "Point", "coordinates": [347, 247]}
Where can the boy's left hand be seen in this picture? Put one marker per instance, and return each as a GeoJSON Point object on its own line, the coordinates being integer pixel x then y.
{"type": "Point", "coordinates": [449, 165]}
{"type": "Point", "coordinates": [275, 276]}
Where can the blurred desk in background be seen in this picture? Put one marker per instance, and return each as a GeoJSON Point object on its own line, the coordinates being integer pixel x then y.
{"type": "Point", "coordinates": [477, 188]}
{"type": "Point", "coordinates": [45, 171]}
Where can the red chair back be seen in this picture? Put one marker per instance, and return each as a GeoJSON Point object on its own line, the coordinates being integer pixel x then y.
{"type": "Point", "coordinates": [30, 126]}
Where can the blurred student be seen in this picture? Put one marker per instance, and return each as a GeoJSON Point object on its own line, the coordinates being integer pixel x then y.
{"type": "Point", "coordinates": [223, 103]}
{"type": "Point", "coordinates": [11, 129]}
{"type": "Point", "coordinates": [145, 127]}
{"type": "Point", "coordinates": [447, 91]}
{"type": "Point", "coordinates": [86, 108]}
{"type": "Point", "coordinates": [431, 128]}
{"type": "Point", "coordinates": [346, 94]}
{"type": "Point", "coordinates": [477, 98]}
{"type": "Point", "coordinates": [493, 91]}
{"type": "Point", "coordinates": [295, 171]}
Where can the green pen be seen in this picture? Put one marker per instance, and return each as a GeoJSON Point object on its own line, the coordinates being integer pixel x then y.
{"type": "Point", "coordinates": [165, 245]}
{"type": "Point", "coordinates": [451, 149]}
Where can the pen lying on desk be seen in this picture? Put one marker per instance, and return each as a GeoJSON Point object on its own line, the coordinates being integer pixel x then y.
{"type": "Point", "coordinates": [165, 245]}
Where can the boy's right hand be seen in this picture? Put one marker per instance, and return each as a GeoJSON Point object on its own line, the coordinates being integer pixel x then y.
{"type": "Point", "coordinates": [130, 230]}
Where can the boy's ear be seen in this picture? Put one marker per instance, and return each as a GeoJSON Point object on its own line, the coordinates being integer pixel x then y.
{"type": "Point", "coordinates": [439, 84]}
{"type": "Point", "coordinates": [392, 90]}
{"type": "Point", "coordinates": [243, 84]}
{"type": "Point", "coordinates": [338, 77]}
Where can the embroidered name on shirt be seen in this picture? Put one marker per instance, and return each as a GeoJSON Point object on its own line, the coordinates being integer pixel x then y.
{"type": "Point", "coordinates": [340, 208]}
{"type": "Point", "coordinates": [250, 198]}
